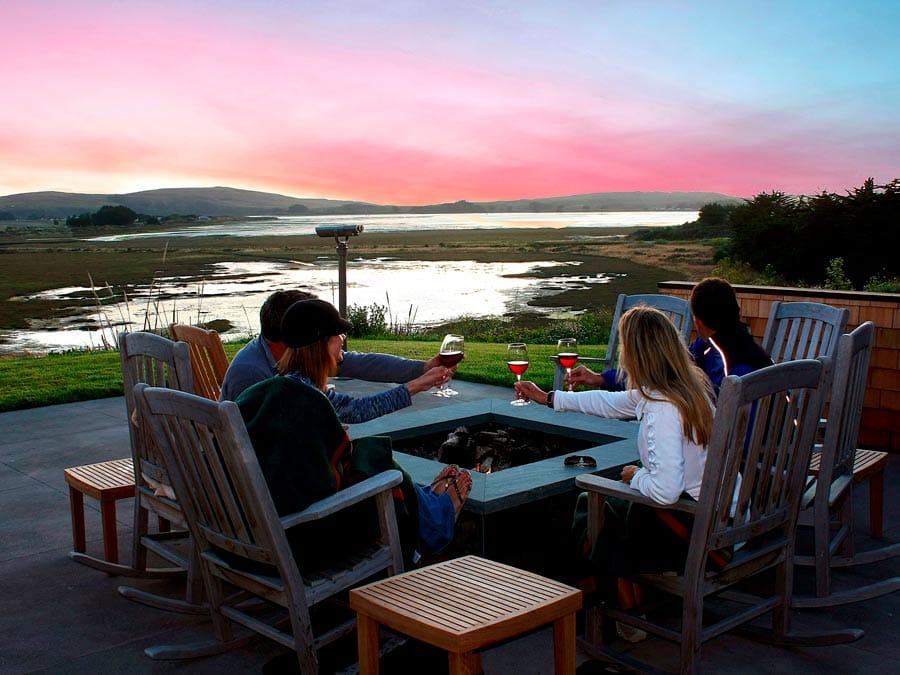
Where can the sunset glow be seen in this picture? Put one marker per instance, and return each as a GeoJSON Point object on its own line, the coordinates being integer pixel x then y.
{"type": "Point", "coordinates": [419, 102]}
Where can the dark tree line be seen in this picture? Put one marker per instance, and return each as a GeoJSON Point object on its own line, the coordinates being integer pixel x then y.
{"type": "Point", "coordinates": [109, 215]}
{"type": "Point", "coordinates": [797, 237]}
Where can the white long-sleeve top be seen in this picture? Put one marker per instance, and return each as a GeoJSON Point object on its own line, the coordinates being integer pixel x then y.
{"type": "Point", "coordinates": [672, 463]}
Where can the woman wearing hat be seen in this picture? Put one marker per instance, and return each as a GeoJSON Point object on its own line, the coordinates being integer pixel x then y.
{"type": "Point", "coordinates": [314, 333]}
{"type": "Point", "coordinates": [297, 429]}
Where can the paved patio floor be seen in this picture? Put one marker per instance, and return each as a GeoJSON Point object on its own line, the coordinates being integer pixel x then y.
{"type": "Point", "coordinates": [61, 617]}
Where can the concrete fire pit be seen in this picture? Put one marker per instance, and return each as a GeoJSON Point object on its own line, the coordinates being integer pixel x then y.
{"type": "Point", "coordinates": [615, 445]}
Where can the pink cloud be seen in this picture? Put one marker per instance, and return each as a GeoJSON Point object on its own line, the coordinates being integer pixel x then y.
{"type": "Point", "coordinates": [120, 93]}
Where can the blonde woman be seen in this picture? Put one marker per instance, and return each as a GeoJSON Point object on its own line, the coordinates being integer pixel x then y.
{"type": "Point", "coordinates": [671, 398]}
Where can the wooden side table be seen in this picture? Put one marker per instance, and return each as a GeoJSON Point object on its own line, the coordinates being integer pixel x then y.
{"type": "Point", "coordinates": [868, 465]}
{"type": "Point", "coordinates": [464, 605]}
{"type": "Point", "coordinates": [107, 482]}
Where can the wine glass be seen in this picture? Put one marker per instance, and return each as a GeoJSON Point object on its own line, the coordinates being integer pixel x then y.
{"type": "Point", "coordinates": [453, 349]}
{"type": "Point", "coordinates": [517, 360]}
{"type": "Point", "coordinates": [567, 353]}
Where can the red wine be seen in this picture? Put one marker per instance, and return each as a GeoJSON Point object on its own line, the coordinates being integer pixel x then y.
{"type": "Point", "coordinates": [517, 367]}
{"type": "Point", "coordinates": [567, 359]}
{"type": "Point", "coordinates": [450, 359]}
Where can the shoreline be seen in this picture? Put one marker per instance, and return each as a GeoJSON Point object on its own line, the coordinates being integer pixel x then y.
{"type": "Point", "coordinates": [34, 263]}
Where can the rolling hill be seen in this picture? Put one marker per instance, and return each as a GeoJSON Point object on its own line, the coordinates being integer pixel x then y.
{"type": "Point", "coordinates": [225, 201]}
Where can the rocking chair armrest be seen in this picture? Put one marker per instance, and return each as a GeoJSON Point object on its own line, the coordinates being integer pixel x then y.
{"type": "Point", "coordinates": [616, 488]}
{"type": "Point", "coordinates": [370, 487]}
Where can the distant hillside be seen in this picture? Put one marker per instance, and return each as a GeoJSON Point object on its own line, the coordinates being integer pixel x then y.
{"type": "Point", "coordinates": [224, 201]}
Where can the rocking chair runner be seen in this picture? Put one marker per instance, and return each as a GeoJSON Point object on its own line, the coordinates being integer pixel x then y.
{"type": "Point", "coordinates": [827, 502]}
{"type": "Point", "coordinates": [228, 508]}
{"type": "Point", "coordinates": [762, 437]}
{"type": "Point", "coordinates": [677, 309]}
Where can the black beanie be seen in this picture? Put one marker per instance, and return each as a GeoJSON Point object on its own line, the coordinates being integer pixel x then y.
{"type": "Point", "coordinates": [309, 321]}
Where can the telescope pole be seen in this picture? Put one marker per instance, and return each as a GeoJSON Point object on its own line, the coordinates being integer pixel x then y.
{"type": "Point", "coordinates": [341, 249]}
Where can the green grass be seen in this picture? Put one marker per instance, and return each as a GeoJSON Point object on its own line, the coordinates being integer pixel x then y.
{"type": "Point", "coordinates": [33, 381]}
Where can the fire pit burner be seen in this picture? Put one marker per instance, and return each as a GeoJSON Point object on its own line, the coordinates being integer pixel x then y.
{"type": "Point", "coordinates": [491, 447]}
{"type": "Point", "coordinates": [611, 443]}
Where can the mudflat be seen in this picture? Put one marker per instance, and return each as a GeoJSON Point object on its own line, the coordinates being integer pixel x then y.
{"type": "Point", "coordinates": [39, 259]}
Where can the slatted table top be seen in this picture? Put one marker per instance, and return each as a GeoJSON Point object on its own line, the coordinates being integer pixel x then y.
{"type": "Point", "coordinates": [864, 461]}
{"type": "Point", "coordinates": [465, 603]}
{"type": "Point", "coordinates": [114, 478]}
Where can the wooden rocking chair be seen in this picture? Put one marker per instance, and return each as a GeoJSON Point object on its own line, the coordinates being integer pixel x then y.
{"type": "Point", "coordinates": [208, 358]}
{"type": "Point", "coordinates": [826, 506]}
{"type": "Point", "coordinates": [762, 437]}
{"type": "Point", "coordinates": [242, 541]}
{"type": "Point", "coordinates": [677, 309]}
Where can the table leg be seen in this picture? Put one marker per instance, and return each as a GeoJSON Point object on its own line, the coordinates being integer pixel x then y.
{"type": "Point", "coordinates": [367, 644]}
{"type": "Point", "coordinates": [564, 645]}
{"type": "Point", "coordinates": [876, 505]}
{"type": "Point", "coordinates": [76, 504]}
{"type": "Point", "coordinates": [465, 663]}
{"type": "Point", "coordinates": [110, 532]}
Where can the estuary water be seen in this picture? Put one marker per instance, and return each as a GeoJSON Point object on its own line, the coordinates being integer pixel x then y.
{"type": "Point", "coordinates": [411, 292]}
{"type": "Point", "coordinates": [292, 225]}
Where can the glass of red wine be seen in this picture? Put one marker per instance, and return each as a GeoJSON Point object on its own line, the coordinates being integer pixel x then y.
{"type": "Point", "coordinates": [453, 348]}
{"type": "Point", "coordinates": [517, 361]}
{"type": "Point", "coordinates": [567, 353]}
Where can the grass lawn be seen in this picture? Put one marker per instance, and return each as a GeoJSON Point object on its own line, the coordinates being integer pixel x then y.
{"type": "Point", "coordinates": [33, 381]}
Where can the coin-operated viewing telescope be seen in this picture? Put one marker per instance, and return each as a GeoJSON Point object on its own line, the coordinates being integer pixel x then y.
{"type": "Point", "coordinates": [339, 230]}
{"type": "Point", "coordinates": [341, 234]}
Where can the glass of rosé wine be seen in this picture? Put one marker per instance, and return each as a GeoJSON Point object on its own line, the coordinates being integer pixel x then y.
{"type": "Point", "coordinates": [567, 353]}
{"type": "Point", "coordinates": [453, 348]}
{"type": "Point", "coordinates": [517, 361]}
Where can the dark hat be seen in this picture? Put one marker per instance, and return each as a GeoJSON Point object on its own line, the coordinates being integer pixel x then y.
{"type": "Point", "coordinates": [309, 321]}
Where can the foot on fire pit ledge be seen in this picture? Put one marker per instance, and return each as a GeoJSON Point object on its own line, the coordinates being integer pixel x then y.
{"type": "Point", "coordinates": [445, 475]}
{"type": "Point", "coordinates": [461, 482]}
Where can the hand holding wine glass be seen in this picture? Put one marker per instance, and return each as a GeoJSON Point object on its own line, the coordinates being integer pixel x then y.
{"type": "Point", "coordinates": [517, 361]}
{"type": "Point", "coordinates": [453, 348]}
{"type": "Point", "coordinates": [567, 353]}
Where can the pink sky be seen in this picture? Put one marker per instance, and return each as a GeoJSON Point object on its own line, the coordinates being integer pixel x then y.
{"type": "Point", "coordinates": [393, 102]}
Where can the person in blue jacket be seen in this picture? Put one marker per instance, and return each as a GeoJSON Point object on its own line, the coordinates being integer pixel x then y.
{"type": "Point", "coordinates": [725, 345]}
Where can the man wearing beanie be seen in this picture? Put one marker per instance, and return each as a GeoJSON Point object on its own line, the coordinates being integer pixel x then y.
{"type": "Point", "coordinates": [258, 359]}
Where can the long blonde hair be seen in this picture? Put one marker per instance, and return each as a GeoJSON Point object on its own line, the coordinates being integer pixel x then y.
{"type": "Point", "coordinates": [656, 360]}
{"type": "Point", "coordinates": [313, 361]}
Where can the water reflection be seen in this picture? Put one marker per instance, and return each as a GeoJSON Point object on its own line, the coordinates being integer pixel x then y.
{"type": "Point", "coordinates": [414, 292]}
{"type": "Point", "coordinates": [294, 225]}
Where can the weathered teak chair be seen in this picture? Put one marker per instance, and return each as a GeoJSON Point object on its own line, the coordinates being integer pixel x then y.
{"type": "Point", "coordinates": [229, 509]}
{"type": "Point", "coordinates": [677, 309]}
{"type": "Point", "coordinates": [208, 358]}
{"type": "Point", "coordinates": [151, 359]}
{"type": "Point", "coordinates": [762, 437]}
{"type": "Point", "coordinates": [803, 330]}
{"type": "Point", "coordinates": [147, 358]}
{"type": "Point", "coordinates": [808, 330]}
{"type": "Point", "coordinates": [827, 503]}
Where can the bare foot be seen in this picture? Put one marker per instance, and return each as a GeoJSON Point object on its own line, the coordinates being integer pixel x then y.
{"type": "Point", "coordinates": [442, 481]}
{"type": "Point", "coordinates": [462, 486]}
